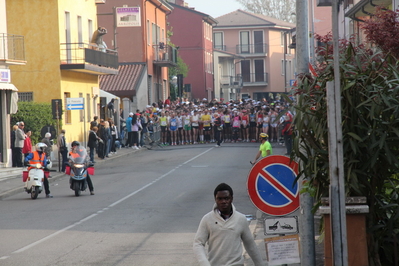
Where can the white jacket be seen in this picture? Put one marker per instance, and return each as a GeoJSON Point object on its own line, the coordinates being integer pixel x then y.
{"type": "Point", "coordinates": [224, 238]}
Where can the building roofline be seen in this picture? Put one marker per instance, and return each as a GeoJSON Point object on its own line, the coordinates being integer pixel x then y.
{"type": "Point", "coordinates": [205, 16]}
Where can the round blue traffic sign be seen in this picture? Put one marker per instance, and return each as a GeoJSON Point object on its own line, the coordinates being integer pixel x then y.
{"type": "Point", "coordinates": [271, 185]}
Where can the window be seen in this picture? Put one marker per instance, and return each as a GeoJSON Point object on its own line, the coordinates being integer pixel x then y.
{"type": "Point", "coordinates": [90, 28]}
{"type": "Point", "coordinates": [25, 96]}
{"type": "Point", "coordinates": [244, 42]}
{"type": "Point", "coordinates": [68, 37]}
{"type": "Point", "coordinates": [218, 41]}
{"type": "Point", "coordinates": [80, 34]}
{"type": "Point", "coordinates": [259, 71]}
{"type": "Point", "coordinates": [154, 34]}
{"type": "Point", "coordinates": [148, 33]}
{"type": "Point", "coordinates": [245, 70]}
{"type": "Point", "coordinates": [258, 42]}
{"type": "Point", "coordinates": [67, 113]}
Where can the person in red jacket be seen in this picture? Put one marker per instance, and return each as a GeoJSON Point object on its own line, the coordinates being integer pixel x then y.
{"type": "Point", "coordinates": [287, 132]}
{"type": "Point", "coordinates": [27, 144]}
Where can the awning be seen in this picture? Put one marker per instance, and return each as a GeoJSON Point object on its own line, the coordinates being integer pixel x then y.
{"type": "Point", "coordinates": [8, 86]}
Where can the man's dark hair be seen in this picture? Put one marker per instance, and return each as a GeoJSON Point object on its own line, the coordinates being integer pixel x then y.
{"type": "Point", "coordinates": [223, 187]}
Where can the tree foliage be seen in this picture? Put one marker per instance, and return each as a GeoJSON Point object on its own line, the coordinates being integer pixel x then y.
{"type": "Point", "coordinates": [181, 68]}
{"type": "Point", "coordinates": [370, 128]}
{"type": "Point", "coordinates": [382, 29]}
{"type": "Point", "coordinates": [35, 117]}
{"type": "Point", "coordinates": [279, 9]}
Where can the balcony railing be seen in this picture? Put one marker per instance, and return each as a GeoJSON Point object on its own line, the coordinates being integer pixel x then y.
{"type": "Point", "coordinates": [220, 47]}
{"type": "Point", "coordinates": [165, 55]}
{"type": "Point", "coordinates": [260, 48]}
{"type": "Point", "coordinates": [231, 81]}
{"type": "Point", "coordinates": [12, 49]}
{"type": "Point", "coordinates": [255, 79]}
{"type": "Point", "coordinates": [88, 58]}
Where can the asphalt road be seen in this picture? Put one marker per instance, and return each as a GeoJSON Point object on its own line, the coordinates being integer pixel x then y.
{"type": "Point", "coordinates": [145, 211]}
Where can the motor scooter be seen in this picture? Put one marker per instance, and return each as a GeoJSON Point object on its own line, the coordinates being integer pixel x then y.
{"type": "Point", "coordinates": [34, 179]}
{"type": "Point", "coordinates": [78, 168]}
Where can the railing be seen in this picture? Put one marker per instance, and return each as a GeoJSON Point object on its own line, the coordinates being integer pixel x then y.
{"type": "Point", "coordinates": [12, 47]}
{"type": "Point", "coordinates": [81, 53]}
{"type": "Point", "coordinates": [165, 54]}
{"type": "Point", "coordinates": [253, 78]}
{"type": "Point", "coordinates": [260, 48]}
{"type": "Point", "coordinates": [231, 81]}
{"type": "Point", "coordinates": [220, 47]}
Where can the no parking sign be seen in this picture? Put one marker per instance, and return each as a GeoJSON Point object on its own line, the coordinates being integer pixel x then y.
{"type": "Point", "coordinates": [271, 185]}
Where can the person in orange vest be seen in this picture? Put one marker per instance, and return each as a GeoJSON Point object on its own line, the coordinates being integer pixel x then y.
{"type": "Point", "coordinates": [39, 156]}
{"type": "Point", "coordinates": [74, 154]}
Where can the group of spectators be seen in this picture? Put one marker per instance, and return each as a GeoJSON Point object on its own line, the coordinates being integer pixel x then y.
{"type": "Point", "coordinates": [21, 144]}
{"type": "Point", "coordinates": [103, 138]}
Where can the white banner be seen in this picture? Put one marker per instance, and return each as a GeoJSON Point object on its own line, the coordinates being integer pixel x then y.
{"type": "Point", "coordinates": [128, 17]}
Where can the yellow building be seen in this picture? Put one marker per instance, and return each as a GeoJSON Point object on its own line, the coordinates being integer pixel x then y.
{"type": "Point", "coordinates": [64, 63]}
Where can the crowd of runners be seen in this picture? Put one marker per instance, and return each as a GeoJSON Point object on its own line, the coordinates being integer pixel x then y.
{"type": "Point", "coordinates": [187, 122]}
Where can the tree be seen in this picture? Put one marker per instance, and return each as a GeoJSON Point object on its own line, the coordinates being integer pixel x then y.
{"type": "Point", "coordinates": [279, 9]}
{"type": "Point", "coordinates": [35, 117]}
{"type": "Point", "coordinates": [370, 129]}
{"type": "Point", "coordinates": [382, 30]}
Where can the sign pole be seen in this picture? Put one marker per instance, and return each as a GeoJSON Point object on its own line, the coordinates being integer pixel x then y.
{"type": "Point", "coordinates": [57, 115]}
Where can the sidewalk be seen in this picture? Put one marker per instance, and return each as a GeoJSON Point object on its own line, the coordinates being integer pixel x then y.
{"type": "Point", "coordinates": [11, 178]}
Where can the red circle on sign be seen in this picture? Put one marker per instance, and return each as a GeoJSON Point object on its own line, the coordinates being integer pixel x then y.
{"type": "Point", "coordinates": [258, 172]}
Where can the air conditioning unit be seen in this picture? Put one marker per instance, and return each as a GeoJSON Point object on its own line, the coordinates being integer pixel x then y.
{"type": "Point", "coordinates": [100, 1]}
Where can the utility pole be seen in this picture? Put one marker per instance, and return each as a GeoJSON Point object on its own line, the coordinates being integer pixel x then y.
{"type": "Point", "coordinates": [306, 218]}
{"type": "Point", "coordinates": [335, 153]}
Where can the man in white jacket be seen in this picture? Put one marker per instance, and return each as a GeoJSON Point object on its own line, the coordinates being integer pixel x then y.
{"type": "Point", "coordinates": [224, 229]}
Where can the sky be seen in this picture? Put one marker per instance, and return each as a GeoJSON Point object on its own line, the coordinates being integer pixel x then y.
{"type": "Point", "coordinates": [214, 8]}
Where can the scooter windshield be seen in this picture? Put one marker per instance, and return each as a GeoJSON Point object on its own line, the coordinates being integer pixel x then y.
{"type": "Point", "coordinates": [79, 155]}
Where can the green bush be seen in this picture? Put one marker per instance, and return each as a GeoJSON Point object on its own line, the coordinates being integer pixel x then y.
{"type": "Point", "coordinates": [35, 117]}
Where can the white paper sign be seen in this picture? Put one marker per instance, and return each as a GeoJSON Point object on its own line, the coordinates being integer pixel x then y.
{"type": "Point", "coordinates": [282, 250]}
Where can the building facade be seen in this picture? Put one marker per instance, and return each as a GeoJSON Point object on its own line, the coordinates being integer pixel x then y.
{"type": "Point", "coordinates": [268, 64]}
{"type": "Point", "coordinates": [12, 52]}
{"type": "Point", "coordinates": [64, 62]}
{"type": "Point", "coordinates": [140, 36]}
{"type": "Point", "coordinates": [192, 33]}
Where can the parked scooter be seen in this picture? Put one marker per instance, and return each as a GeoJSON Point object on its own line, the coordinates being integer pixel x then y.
{"type": "Point", "coordinates": [34, 179]}
{"type": "Point", "coordinates": [78, 168]}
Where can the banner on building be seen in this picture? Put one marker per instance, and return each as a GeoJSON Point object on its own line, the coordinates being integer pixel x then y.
{"type": "Point", "coordinates": [128, 17]}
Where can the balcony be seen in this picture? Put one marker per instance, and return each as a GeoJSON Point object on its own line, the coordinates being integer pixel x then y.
{"type": "Point", "coordinates": [165, 55]}
{"type": "Point", "coordinates": [228, 82]}
{"type": "Point", "coordinates": [255, 79]}
{"type": "Point", "coordinates": [12, 49]}
{"type": "Point", "coordinates": [220, 47]}
{"type": "Point", "coordinates": [252, 49]}
{"type": "Point", "coordinates": [88, 58]}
